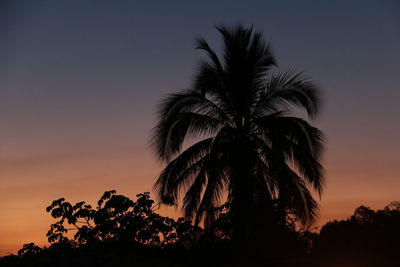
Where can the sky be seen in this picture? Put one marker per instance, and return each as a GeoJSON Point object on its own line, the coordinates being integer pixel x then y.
{"type": "Point", "coordinates": [80, 82]}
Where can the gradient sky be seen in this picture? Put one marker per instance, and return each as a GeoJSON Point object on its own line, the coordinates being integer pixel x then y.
{"type": "Point", "coordinates": [80, 82]}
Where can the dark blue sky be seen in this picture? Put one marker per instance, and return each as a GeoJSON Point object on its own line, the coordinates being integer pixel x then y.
{"type": "Point", "coordinates": [80, 81]}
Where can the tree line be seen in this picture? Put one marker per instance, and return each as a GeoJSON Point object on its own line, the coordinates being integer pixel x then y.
{"type": "Point", "coordinates": [124, 232]}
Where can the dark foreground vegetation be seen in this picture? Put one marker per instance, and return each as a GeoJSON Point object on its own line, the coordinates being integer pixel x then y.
{"type": "Point", "coordinates": [123, 232]}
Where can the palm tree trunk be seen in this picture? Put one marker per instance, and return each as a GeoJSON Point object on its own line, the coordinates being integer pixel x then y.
{"type": "Point", "coordinates": [243, 205]}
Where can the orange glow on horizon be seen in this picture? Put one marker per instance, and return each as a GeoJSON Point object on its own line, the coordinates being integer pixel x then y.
{"type": "Point", "coordinates": [35, 184]}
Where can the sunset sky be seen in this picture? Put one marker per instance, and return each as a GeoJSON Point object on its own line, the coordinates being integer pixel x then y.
{"type": "Point", "coordinates": [80, 82]}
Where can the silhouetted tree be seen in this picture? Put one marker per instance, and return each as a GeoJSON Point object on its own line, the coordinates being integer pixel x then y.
{"type": "Point", "coordinates": [367, 238]}
{"type": "Point", "coordinates": [119, 231]}
{"type": "Point", "coordinates": [117, 218]}
{"type": "Point", "coordinates": [29, 249]}
{"type": "Point", "coordinates": [251, 148]}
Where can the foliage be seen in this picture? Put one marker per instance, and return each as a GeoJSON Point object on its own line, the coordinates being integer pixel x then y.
{"type": "Point", "coordinates": [117, 218]}
{"type": "Point", "coordinates": [222, 226]}
{"type": "Point", "coordinates": [369, 236]}
{"type": "Point", "coordinates": [29, 249]}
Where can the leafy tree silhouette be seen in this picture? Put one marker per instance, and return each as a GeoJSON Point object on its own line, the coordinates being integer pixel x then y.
{"type": "Point", "coordinates": [30, 249]}
{"type": "Point", "coordinates": [265, 160]}
{"type": "Point", "coordinates": [117, 218]}
{"type": "Point", "coordinates": [116, 228]}
{"type": "Point", "coordinates": [367, 238]}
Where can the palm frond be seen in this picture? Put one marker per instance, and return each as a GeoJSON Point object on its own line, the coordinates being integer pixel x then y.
{"type": "Point", "coordinates": [299, 142]}
{"type": "Point", "coordinates": [190, 101]}
{"type": "Point", "coordinates": [192, 197]}
{"type": "Point", "coordinates": [169, 134]}
{"type": "Point", "coordinates": [210, 81]}
{"type": "Point", "coordinates": [216, 171]}
{"type": "Point", "coordinates": [294, 195]}
{"type": "Point", "coordinates": [179, 170]}
{"type": "Point", "coordinates": [202, 44]}
{"type": "Point", "coordinates": [212, 193]}
{"type": "Point", "coordinates": [287, 88]}
{"type": "Point", "coordinates": [302, 204]}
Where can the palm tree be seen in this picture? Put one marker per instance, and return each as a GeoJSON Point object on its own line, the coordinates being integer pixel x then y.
{"type": "Point", "coordinates": [245, 144]}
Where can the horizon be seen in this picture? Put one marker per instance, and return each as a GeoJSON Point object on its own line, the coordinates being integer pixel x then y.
{"type": "Point", "coordinates": [80, 84]}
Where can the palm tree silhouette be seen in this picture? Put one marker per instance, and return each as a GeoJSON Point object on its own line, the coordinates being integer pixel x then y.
{"type": "Point", "coordinates": [247, 147]}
